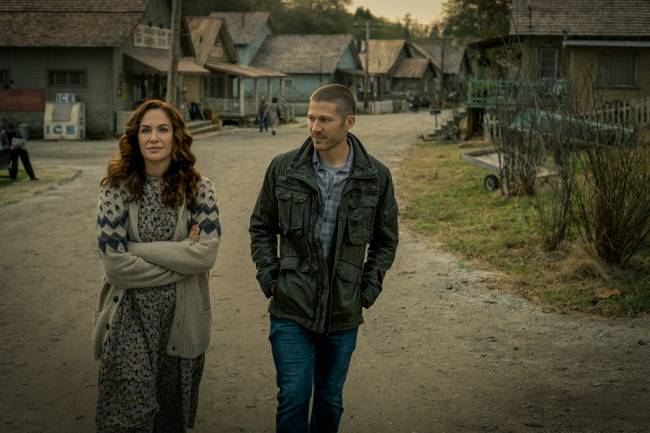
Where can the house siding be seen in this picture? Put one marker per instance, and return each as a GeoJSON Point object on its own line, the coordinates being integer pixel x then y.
{"type": "Point", "coordinates": [29, 67]}
{"type": "Point", "coordinates": [584, 69]}
{"type": "Point", "coordinates": [303, 85]}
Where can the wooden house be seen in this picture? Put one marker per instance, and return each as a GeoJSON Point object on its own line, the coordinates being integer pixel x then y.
{"type": "Point", "coordinates": [598, 49]}
{"type": "Point", "coordinates": [223, 90]}
{"type": "Point", "coordinates": [310, 61]}
{"type": "Point", "coordinates": [109, 54]}
{"type": "Point", "coordinates": [453, 59]}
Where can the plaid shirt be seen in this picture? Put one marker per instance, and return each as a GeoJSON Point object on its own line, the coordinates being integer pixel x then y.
{"type": "Point", "coordinates": [331, 181]}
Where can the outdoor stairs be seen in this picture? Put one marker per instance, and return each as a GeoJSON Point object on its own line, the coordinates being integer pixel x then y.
{"type": "Point", "coordinates": [450, 130]}
{"type": "Point", "coordinates": [198, 127]}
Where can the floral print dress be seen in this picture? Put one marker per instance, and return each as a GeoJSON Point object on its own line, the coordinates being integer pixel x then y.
{"type": "Point", "coordinates": [141, 388]}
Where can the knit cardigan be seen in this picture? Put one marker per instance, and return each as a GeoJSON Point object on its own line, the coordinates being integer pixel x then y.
{"type": "Point", "coordinates": [130, 263]}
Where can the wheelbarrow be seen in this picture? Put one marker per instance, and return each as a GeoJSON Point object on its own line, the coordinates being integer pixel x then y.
{"type": "Point", "coordinates": [490, 160]}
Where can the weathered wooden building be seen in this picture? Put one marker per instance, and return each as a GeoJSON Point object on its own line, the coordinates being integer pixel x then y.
{"type": "Point", "coordinates": [109, 54]}
{"type": "Point", "coordinates": [396, 70]}
{"type": "Point", "coordinates": [599, 49]}
{"type": "Point", "coordinates": [310, 61]}
{"type": "Point", "coordinates": [223, 90]}
{"type": "Point", "coordinates": [454, 61]}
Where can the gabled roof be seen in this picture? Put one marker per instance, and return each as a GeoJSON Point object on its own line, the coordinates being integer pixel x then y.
{"type": "Point", "coordinates": [244, 26]}
{"type": "Point", "coordinates": [382, 55]}
{"type": "Point", "coordinates": [204, 32]}
{"type": "Point", "coordinates": [454, 55]}
{"type": "Point", "coordinates": [244, 70]}
{"type": "Point", "coordinates": [68, 23]}
{"type": "Point", "coordinates": [412, 68]}
{"type": "Point", "coordinates": [302, 54]}
{"type": "Point", "coordinates": [600, 18]}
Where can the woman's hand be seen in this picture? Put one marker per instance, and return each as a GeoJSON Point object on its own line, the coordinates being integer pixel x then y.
{"type": "Point", "coordinates": [194, 233]}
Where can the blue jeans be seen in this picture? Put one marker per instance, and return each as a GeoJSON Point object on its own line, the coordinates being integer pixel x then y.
{"type": "Point", "coordinates": [306, 360]}
{"type": "Point", "coordinates": [262, 121]}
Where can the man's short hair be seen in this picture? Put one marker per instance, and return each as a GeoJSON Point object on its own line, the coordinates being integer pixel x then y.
{"type": "Point", "coordinates": [339, 95]}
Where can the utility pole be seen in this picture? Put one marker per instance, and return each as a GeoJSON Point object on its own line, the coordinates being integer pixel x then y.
{"type": "Point", "coordinates": [442, 72]}
{"type": "Point", "coordinates": [173, 51]}
{"type": "Point", "coordinates": [366, 72]}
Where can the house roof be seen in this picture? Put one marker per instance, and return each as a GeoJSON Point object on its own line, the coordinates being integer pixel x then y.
{"type": "Point", "coordinates": [243, 26]}
{"type": "Point", "coordinates": [160, 63]}
{"type": "Point", "coordinates": [382, 55]}
{"type": "Point", "coordinates": [412, 68]}
{"type": "Point", "coordinates": [302, 54]}
{"type": "Point", "coordinates": [600, 18]}
{"type": "Point", "coordinates": [204, 31]}
{"type": "Point", "coordinates": [454, 55]}
{"type": "Point", "coordinates": [68, 23]}
{"type": "Point", "coordinates": [244, 70]}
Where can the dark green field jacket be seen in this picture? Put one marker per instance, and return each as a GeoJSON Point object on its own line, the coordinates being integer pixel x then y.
{"type": "Point", "coordinates": [322, 294]}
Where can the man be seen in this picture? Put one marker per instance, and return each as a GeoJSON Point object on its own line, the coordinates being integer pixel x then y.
{"type": "Point", "coordinates": [328, 202]}
{"type": "Point", "coordinates": [261, 119]}
{"type": "Point", "coordinates": [12, 141]}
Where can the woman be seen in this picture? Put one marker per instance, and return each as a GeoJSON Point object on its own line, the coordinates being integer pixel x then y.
{"type": "Point", "coordinates": [272, 114]}
{"type": "Point", "coordinates": [158, 237]}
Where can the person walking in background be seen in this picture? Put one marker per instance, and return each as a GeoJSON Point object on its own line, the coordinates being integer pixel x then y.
{"type": "Point", "coordinates": [158, 237]}
{"type": "Point", "coordinates": [15, 143]}
{"type": "Point", "coordinates": [272, 114]}
{"type": "Point", "coordinates": [261, 116]}
{"type": "Point", "coordinates": [328, 202]}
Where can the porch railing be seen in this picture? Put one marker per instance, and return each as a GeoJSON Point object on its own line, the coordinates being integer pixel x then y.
{"type": "Point", "coordinates": [231, 106]}
{"type": "Point", "coordinates": [492, 93]}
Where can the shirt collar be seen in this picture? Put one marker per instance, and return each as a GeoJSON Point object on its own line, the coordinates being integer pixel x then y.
{"type": "Point", "coordinates": [315, 160]}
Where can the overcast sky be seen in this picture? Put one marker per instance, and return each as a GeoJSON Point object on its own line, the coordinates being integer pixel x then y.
{"type": "Point", "coordinates": [424, 11]}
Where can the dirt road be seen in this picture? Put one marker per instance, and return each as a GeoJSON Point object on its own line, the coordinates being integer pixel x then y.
{"type": "Point", "coordinates": [440, 352]}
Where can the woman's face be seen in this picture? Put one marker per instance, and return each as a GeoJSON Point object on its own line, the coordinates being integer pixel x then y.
{"type": "Point", "coordinates": [156, 137]}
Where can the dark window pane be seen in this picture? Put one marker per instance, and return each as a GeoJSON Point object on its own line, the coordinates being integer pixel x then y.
{"type": "Point", "coordinates": [76, 78]}
{"type": "Point", "coordinates": [618, 69]}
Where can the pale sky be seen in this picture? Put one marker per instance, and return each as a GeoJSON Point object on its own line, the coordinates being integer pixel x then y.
{"type": "Point", "coordinates": [424, 11]}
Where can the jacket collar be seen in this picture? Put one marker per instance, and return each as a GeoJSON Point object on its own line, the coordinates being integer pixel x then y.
{"type": "Point", "coordinates": [361, 165]}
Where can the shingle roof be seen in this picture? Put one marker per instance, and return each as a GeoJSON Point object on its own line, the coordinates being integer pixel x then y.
{"type": "Point", "coordinates": [302, 54]}
{"type": "Point", "coordinates": [243, 26]}
{"type": "Point", "coordinates": [244, 70]}
{"type": "Point", "coordinates": [382, 55]}
{"type": "Point", "coordinates": [204, 31]}
{"type": "Point", "coordinates": [454, 55]}
{"type": "Point", "coordinates": [66, 23]}
{"type": "Point", "coordinates": [54, 6]}
{"type": "Point", "coordinates": [412, 68]}
{"type": "Point", "coordinates": [622, 18]}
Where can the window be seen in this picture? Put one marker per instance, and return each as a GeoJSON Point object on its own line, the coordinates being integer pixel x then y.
{"type": "Point", "coordinates": [548, 59]}
{"type": "Point", "coordinates": [67, 78]}
{"type": "Point", "coordinates": [618, 69]}
{"type": "Point", "coordinates": [214, 87]}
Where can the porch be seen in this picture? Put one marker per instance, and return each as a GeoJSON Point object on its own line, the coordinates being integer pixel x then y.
{"type": "Point", "coordinates": [231, 100]}
{"type": "Point", "coordinates": [485, 94]}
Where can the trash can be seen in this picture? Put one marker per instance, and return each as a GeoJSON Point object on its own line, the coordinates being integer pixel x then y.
{"type": "Point", "coordinates": [23, 129]}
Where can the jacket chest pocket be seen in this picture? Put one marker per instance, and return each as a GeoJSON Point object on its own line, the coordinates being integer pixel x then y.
{"type": "Point", "coordinates": [291, 211]}
{"type": "Point", "coordinates": [360, 218]}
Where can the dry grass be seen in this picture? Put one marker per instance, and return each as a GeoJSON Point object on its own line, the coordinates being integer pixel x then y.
{"type": "Point", "coordinates": [443, 198]}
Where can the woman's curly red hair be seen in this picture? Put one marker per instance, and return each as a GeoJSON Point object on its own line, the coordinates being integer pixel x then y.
{"type": "Point", "coordinates": [127, 165]}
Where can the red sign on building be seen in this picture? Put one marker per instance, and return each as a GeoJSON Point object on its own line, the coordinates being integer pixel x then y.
{"type": "Point", "coordinates": [22, 100]}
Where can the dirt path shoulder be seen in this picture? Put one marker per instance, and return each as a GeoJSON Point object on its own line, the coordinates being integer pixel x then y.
{"type": "Point", "coordinates": [439, 352]}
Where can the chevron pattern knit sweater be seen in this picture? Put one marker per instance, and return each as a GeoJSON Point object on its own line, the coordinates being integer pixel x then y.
{"type": "Point", "coordinates": [129, 263]}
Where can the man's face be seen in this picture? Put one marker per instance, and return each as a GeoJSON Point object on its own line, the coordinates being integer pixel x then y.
{"type": "Point", "coordinates": [328, 128]}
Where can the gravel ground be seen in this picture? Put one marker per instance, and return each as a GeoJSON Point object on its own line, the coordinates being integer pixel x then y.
{"type": "Point", "coordinates": [440, 351]}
